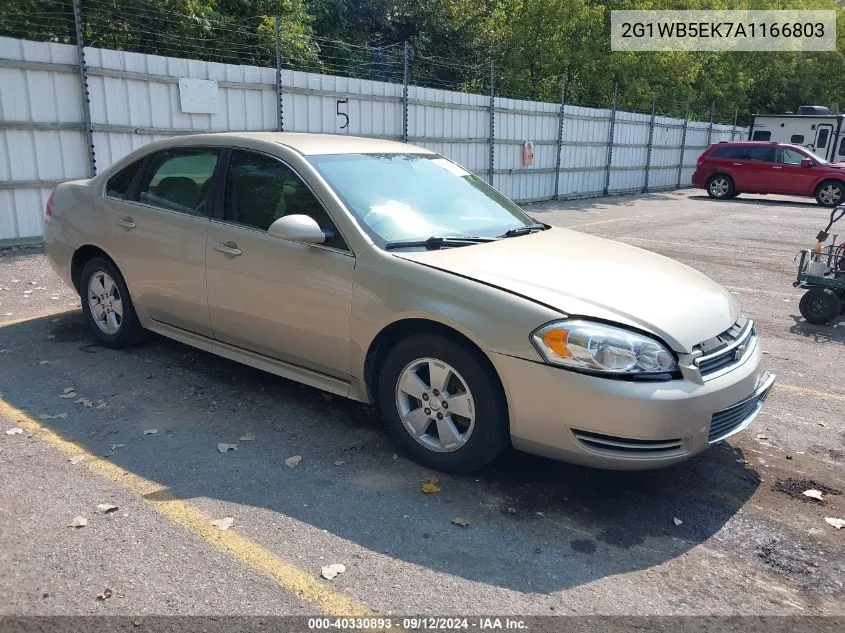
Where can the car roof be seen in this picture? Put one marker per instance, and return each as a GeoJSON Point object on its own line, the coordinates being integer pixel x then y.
{"type": "Point", "coordinates": [754, 144]}
{"type": "Point", "coordinates": [306, 144]}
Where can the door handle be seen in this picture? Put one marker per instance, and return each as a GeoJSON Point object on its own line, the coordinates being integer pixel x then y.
{"type": "Point", "coordinates": [737, 164]}
{"type": "Point", "coordinates": [126, 223]}
{"type": "Point", "coordinates": [230, 248]}
{"type": "Point", "coordinates": [776, 167]}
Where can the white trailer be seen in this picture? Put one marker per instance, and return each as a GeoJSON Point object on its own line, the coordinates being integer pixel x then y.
{"type": "Point", "coordinates": [818, 131]}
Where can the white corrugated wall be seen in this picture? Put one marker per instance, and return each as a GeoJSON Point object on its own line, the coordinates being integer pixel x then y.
{"type": "Point", "coordinates": [134, 99]}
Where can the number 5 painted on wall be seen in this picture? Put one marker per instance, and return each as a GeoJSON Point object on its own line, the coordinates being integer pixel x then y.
{"type": "Point", "coordinates": [345, 116]}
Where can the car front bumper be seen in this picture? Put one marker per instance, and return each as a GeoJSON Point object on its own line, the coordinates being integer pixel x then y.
{"type": "Point", "coordinates": [627, 425]}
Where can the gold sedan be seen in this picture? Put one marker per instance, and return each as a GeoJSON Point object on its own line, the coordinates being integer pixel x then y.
{"type": "Point", "coordinates": [385, 273]}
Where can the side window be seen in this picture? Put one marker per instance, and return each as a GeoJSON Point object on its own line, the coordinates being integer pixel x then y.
{"type": "Point", "coordinates": [763, 154]}
{"type": "Point", "coordinates": [842, 147]}
{"type": "Point", "coordinates": [821, 141]}
{"type": "Point", "coordinates": [179, 179]}
{"type": "Point", "coordinates": [798, 139]}
{"type": "Point", "coordinates": [119, 184]}
{"type": "Point", "coordinates": [261, 189]}
{"type": "Point", "coordinates": [790, 157]}
{"type": "Point", "coordinates": [725, 152]}
{"type": "Point", "coordinates": [762, 135]}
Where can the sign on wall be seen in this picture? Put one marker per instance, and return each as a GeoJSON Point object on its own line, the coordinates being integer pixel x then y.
{"type": "Point", "coordinates": [198, 96]}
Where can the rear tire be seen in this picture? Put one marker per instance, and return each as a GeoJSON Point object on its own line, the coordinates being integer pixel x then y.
{"type": "Point", "coordinates": [418, 380]}
{"type": "Point", "coordinates": [720, 187]}
{"type": "Point", "coordinates": [107, 306]}
{"type": "Point", "coordinates": [830, 193]}
{"type": "Point", "coordinates": [820, 306]}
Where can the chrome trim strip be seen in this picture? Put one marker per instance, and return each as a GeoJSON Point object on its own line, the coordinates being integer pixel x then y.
{"type": "Point", "coordinates": [746, 332]}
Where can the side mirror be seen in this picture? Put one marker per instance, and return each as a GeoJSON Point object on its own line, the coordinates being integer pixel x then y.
{"type": "Point", "coordinates": [807, 162]}
{"type": "Point", "coordinates": [297, 228]}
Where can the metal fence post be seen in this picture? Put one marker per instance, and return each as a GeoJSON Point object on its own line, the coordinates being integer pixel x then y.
{"type": "Point", "coordinates": [560, 118]}
{"type": "Point", "coordinates": [609, 159]}
{"type": "Point", "coordinates": [683, 148]}
{"type": "Point", "coordinates": [492, 159]}
{"type": "Point", "coordinates": [83, 84]}
{"type": "Point", "coordinates": [280, 108]}
{"type": "Point", "coordinates": [650, 144]}
{"type": "Point", "coordinates": [733, 129]}
{"type": "Point", "coordinates": [710, 129]}
{"type": "Point", "coordinates": [405, 78]}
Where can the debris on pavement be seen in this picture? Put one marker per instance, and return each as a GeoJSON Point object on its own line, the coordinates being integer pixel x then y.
{"type": "Point", "coordinates": [339, 462]}
{"type": "Point", "coordinates": [44, 362]}
{"type": "Point", "coordinates": [677, 521]}
{"type": "Point", "coordinates": [76, 459]}
{"type": "Point", "coordinates": [67, 393]}
{"type": "Point", "coordinates": [293, 462]}
{"type": "Point", "coordinates": [223, 524]}
{"type": "Point", "coordinates": [105, 508]}
{"type": "Point", "coordinates": [460, 521]}
{"type": "Point", "coordinates": [85, 402]}
{"type": "Point", "coordinates": [834, 522]}
{"type": "Point", "coordinates": [114, 447]}
{"type": "Point", "coordinates": [430, 486]}
{"type": "Point", "coordinates": [78, 522]}
{"type": "Point", "coordinates": [814, 494]}
{"type": "Point", "coordinates": [151, 432]}
{"type": "Point", "coordinates": [105, 595]}
{"type": "Point", "coordinates": [225, 448]}
{"type": "Point", "coordinates": [249, 437]}
{"type": "Point", "coordinates": [762, 436]}
{"type": "Point", "coordinates": [47, 416]}
{"type": "Point", "coordinates": [14, 431]}
{"type": "Point", "coordinates": [330, 572]}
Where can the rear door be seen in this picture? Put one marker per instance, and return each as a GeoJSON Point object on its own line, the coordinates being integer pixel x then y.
{"type": "Point", "coordinates": [757, 162]}
{"type": "Point", "coordinates": [157, 230]}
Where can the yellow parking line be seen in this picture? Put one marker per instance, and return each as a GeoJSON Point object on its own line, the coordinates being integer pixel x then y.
{"type": "Point", "coordinates": [290, 578]}
{"type": "Point", "coordinates": [816, 393]}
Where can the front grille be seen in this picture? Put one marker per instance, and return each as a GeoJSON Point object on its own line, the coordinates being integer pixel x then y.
{"type": "Point", "coordinates": [724, 422]}
{"type": "Point", "coordinates": [626, 446]}
{"type": "Point", "coordinates": [727, 349]}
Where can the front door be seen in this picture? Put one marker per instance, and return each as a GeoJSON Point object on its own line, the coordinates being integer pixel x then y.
{"type": "Point", "coordinates": [283, 299]}
{"type": "Point", "coordinates": [788, 176]}
{"type": "Point", "coordinates": [157, 230]}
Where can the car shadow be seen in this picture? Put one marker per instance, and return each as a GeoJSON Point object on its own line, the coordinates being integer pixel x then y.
{"type": "Point", "coordinates": [744, 199]}
{"type": "Point", "coordinates": [833, 332]}
{"type": "Point", "coordinates": [535, 525]}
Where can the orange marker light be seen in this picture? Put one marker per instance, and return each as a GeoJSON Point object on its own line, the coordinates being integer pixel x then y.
{"type": "Point", "coordinates": [555, 340]}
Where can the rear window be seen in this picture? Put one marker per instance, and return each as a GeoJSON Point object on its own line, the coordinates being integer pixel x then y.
{"type": "Point", "coordinates": [762, 135]}
{"type": "Point", "coordinates": [796, 138]}
{"type": "Point", "coordinates": [119, 185]}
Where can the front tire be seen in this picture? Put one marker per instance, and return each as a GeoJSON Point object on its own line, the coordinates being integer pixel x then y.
{"type": "Point", "coordinates": [830, 193]}
{"type": "Point", "coordinates": [820, 306]}
{"type": "Point", "coordinates": [720, 187]}
{"type": "Point", "coordinates": [442, 405]}
{"type": "Point", "coordinates": [107, 306]}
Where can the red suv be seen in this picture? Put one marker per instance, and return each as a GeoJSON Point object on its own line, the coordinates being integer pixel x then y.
{"type": "Point", "coordinates": [727, 169]}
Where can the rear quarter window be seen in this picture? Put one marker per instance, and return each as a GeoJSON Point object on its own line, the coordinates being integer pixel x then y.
{"type": "Point", "coordinates": [725, 152]}
{"type": "Point", "coordinates": [120, 185]}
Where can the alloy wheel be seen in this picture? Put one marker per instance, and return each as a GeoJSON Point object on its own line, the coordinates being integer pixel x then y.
{"type": "Point", "coordinates": [105, 302]}
{"type": "Point", "coordinates": [719, 187]}
{"type": "Point", "coordinates": [830, 194]}
{"type": "Point", "coordinates": [435, 405]}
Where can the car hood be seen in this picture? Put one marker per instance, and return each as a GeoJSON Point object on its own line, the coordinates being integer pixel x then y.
{"type": "Point", "coordinates": [584, 275]}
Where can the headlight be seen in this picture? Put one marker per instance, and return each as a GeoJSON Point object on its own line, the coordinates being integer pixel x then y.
{"type": "Point", "coordinates": [602, 348]}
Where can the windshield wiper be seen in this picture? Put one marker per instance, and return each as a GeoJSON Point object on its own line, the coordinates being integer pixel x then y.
{"type": "Point", "coordinates": [524, 230]}
{"type": "Point", "coordinates": [435, 243]}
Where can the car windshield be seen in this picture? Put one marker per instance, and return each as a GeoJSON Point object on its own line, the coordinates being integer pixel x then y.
{"type": "Point", "coordinates": [407, 197]}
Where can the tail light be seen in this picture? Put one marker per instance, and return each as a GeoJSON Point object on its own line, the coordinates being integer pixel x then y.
{"type": "Point", "coordinates": [700, 160]}
{"type": "Point", "coordinates": [48, 210]}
